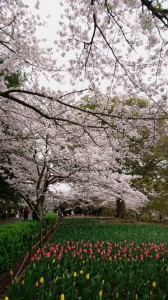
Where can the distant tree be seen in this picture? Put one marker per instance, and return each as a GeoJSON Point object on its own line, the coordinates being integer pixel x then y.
{"type": "Point", "coordinates": [152, 164]}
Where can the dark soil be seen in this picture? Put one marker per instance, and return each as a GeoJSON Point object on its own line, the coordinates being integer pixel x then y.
{"type": "Point", "coordinates": [6, 278]}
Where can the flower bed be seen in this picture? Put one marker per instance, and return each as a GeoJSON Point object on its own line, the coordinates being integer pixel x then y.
{"type": "Point", "coordinates": [96, 270]}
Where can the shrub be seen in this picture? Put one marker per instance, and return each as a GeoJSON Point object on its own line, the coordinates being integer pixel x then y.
{"type": "Point", "coordinates": [49, 218]}
{"type": "Point", "coordinates": [14, 241]}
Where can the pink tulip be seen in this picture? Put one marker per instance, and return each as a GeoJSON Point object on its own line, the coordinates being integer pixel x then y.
{"type": "Point", "coordinates": [157, 256]}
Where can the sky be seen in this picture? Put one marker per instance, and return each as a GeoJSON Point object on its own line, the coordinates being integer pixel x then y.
{"type": "Point", "coordinates": [50, 12]}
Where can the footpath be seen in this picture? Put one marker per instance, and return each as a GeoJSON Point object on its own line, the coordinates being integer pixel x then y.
{"type": "Point", "coordinates": [9, 220]}
{"type": "Point", "coordinates": [13, 220]}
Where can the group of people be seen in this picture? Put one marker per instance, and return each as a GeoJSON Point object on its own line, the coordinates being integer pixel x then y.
{"type": "Point", "coordinates": [25, 213]}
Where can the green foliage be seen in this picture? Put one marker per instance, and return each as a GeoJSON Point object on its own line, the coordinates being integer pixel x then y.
{"type": "Point", "coordinates": [89, 103]}
{"type": "Point", "coordinates": [84, 220]}
{"type": "Point", "coordinates": [139, 102]}
{"type": "Point", "coordinates": [7, 192]}
{"type": "Point", "coordinates": [15, 241]}
{"type": "Point", "coordinates": [115, 101]}
{"type": "Point", "coordinates": [158, 7]}
{"type": "Point", "coordinates": [152, 162]}
{"type": "Point", "coordinates": [8, 196]}
{"type": "Point", "coordinates": [153, 167]}
{"type": "Point", "coordinates": [49, 218]}
{"type": "Point", "coordinates": [13, 80]}
{"type": "Point", "coordinates": [111, 232]}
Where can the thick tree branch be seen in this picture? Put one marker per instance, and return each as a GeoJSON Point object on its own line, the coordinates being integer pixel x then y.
{"type": "Point", "coordinates": [160, 13]}
{"type": "Point", "coordinates": [99, 115]}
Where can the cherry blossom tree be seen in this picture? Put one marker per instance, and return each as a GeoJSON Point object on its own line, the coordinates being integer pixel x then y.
{"type": "Point", "coordinates": [109, 50]}
{"type": "Point", "coordinates": [120, 46]}
{"type": "Point", "coordinates": [39, 153]}
{"type": "Point", "coordinates": [51, 135]}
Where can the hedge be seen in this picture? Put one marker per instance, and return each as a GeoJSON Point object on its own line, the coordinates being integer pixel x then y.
{"type": "Point", "coordinates": [49, 218]}
{"type": "Point", "coordinates": [14, 241]}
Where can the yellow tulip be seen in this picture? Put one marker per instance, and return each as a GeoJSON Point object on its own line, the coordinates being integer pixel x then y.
{"type": "Point", "coordinates": [81, 272]}
{"type": "Point", "coordinates": [100, 294]}
{"type": "Point", "coordinates": [36, 284]}
{"type": "Point", "coordinates": [87, 276]}
{"type": "Point", "coordinates": [53, 261]}
{"type": "Point", "coordinates": [154, 284]}
{"type": "Point", "coordinates": [62, 297]}
{"type": "Point", "coordinates": [6, 298]}
{"type": "Point", "coordinates": [103, 282]}
{"type": "Point", "coordinates": [74, 274]}
{"type": "Point", "coordinates": [41, 280]}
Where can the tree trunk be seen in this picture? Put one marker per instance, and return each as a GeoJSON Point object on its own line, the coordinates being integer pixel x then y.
{"type": "Point", "coordinates": [39, 208]}
{"type": "Point", "coordinates": [120, 208]}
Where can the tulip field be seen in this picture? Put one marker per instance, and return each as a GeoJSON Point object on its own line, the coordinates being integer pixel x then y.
{"type": "Point", "coordinates": [98, 262]}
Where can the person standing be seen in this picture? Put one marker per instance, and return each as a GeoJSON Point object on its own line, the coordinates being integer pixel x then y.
{"type": "Point", "coordinates": [34, 215]}
{"type": "Point", "coordinates": [26, 213]}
